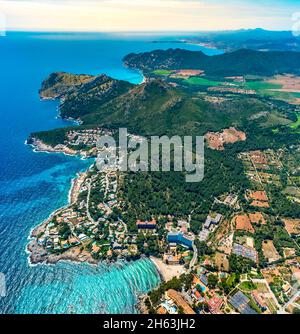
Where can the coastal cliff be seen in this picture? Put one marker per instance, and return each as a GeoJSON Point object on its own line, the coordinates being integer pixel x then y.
{"type": "Point", "coordinates": [58, 84]}
{"type": "Point", "coordinates": [81, 94]}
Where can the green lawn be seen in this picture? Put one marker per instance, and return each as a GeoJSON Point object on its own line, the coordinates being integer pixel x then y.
{"type": "Point", "coordinates": [262, 86]}
{"type": "Point", "coordinates": [202, 82]}
{"type": "Point", "coordinates": [247, 286]}
{"type": "Point", "coordinates": [162, 72]}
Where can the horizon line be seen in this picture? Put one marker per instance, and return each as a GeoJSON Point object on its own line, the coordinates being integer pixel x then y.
{"type": "Point", "coordinates": [142, 31]}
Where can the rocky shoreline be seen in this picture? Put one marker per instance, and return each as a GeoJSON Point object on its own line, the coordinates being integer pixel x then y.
{"type": "Point", "coordinates": [37, 253]}
{"type": "Point", "coordinates": [141, 306]}
{"type": "Point", "coordinates": [40, 146]}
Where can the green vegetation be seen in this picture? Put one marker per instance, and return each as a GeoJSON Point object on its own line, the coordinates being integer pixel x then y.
{"type": "Point", "coordinates": [156, 107]}
{"type": "Point", "coordinates": [184, 280]}
{"type": "Point", "coordinates": [202, 248]}
{"type": "Point", "coordinates": [296, 124]}
{"type": "Point", "coordinates": [201, 82]}
{"type": "Point", "coordinates": [276, 119]}
{"type": "Point", "coordinates": [60, 83]}
{"type": "Point", "coordinates": [247, 286]}
{"type": "Point", "coordinates": [152, 194]}
{"type": "Point", "coordinates": [228, 284]}
{"type": "Point", "coordinates": [239, 264]}
{"type": "Point", "coordinates": [162, 72]}
{"type": "Point", "coordinates": [153, 108]}
{"type": "Point", "coordinates": [52, 137]}
{"type": "Point", "coordinates": [212, 281]}
{"type": "Point", "coordinates": [147, 245]}
{"type": "Point", "coordinates": [241, 62]}
{"type": "Point", "coordinates": [260, 86]}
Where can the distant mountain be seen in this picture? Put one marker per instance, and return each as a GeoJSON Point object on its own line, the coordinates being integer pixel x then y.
{"type": "Point", "coordinates": [246, 34]}
{"type": "Point", "coordinates": [241, 62]}
{"type": "Point", "coordinates": [256, 39]}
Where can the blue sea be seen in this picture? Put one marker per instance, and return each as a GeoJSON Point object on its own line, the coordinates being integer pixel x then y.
{"type": "Point", "coordinates": [32, 185]}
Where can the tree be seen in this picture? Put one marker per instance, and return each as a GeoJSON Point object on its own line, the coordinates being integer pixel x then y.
{"type": "Point", "coordinates": [180, 310]}
{"type": "Point", "coordinates": [202, 248]}
{"type": "Point", "coordinates": [239, 264]}
{"type": "Point", "coordinates": [212, 281]}
{"type": "Point", "coordinates": [296, 311]}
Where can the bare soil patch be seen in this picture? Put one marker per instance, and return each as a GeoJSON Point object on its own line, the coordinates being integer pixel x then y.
{"type": "Point", "coordinates": [217, 140]}
{"type": "Point", "coordinates": [270, 252]}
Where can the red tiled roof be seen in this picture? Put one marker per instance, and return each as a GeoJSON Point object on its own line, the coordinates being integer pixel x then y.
{"type": "Point", "coordinates": [145, 223]}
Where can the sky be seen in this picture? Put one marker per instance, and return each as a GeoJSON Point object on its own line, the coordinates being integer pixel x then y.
{"type": "Point", "coordinates": [148, 15]}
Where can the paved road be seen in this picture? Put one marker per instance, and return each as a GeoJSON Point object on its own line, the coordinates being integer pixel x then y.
{"type": "Point", "coordinates": [292, 300]}
{"type": "Point", "coordinates": [88, 204]}
{"type": "Point", "coordinates": [195, 257]}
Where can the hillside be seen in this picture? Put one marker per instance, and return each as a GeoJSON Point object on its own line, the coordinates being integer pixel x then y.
{"type": "Point", "coordinates": [241, 62]}
{"type": "Point", "coordinates": [58, 84]}
{"type": "Point", "coordinates": [81, 94]}
{"type": "Point", "coordinates": [154, 108]}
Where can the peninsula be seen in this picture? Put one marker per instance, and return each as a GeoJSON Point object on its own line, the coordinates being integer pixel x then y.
{"type": "Point", "coordinates": [229, 244]}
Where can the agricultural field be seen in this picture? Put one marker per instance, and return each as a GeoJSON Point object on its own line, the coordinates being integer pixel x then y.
{"type": "Point", "coordinates": [199, 81]}
{"type": "Point", "coordinates": [269, 251]}
{"type": "Point", "coordinates": [281, 87]}
{"type": "Point", "coordinates": [292, 225]}
{"type": "Point", "coordinates": [162, 72]}
{"type": "Point", "coordinates": [285, 88]}
{"type": "Point", "coordinates": [277, 172]}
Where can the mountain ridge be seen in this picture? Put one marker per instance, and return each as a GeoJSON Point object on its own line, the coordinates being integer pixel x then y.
{"type": "Point", "coordinates": [240, 62]}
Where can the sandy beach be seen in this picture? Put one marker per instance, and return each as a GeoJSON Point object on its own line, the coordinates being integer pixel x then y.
{"type": "Point", "coordinates": [166, 271]}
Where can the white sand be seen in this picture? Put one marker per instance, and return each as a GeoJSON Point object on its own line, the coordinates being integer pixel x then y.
{"type": "Point", "coordinates": [168, 271]}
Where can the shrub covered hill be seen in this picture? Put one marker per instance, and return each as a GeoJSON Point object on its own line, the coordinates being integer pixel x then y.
{"type": "Point", "coordinates": [81, 94]}
{"type": "Point", "coordinates": [240, 62]}
{"type": "Point", "coordinates": [156, 107]}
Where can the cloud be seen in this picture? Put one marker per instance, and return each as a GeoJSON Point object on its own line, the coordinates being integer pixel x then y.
{"type": "Point", "coordinates": [141, 15]}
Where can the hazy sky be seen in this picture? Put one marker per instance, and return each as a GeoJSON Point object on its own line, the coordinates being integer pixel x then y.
{"type": "Point", "coordinates": [149, 15]}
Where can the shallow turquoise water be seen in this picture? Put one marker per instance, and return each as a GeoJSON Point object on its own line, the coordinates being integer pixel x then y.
{"type": "Point", "coordinates": [32, 185]}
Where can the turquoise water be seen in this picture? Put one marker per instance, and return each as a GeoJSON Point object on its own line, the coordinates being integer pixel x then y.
{"type": "Point", "coordinates": [32, 185]}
